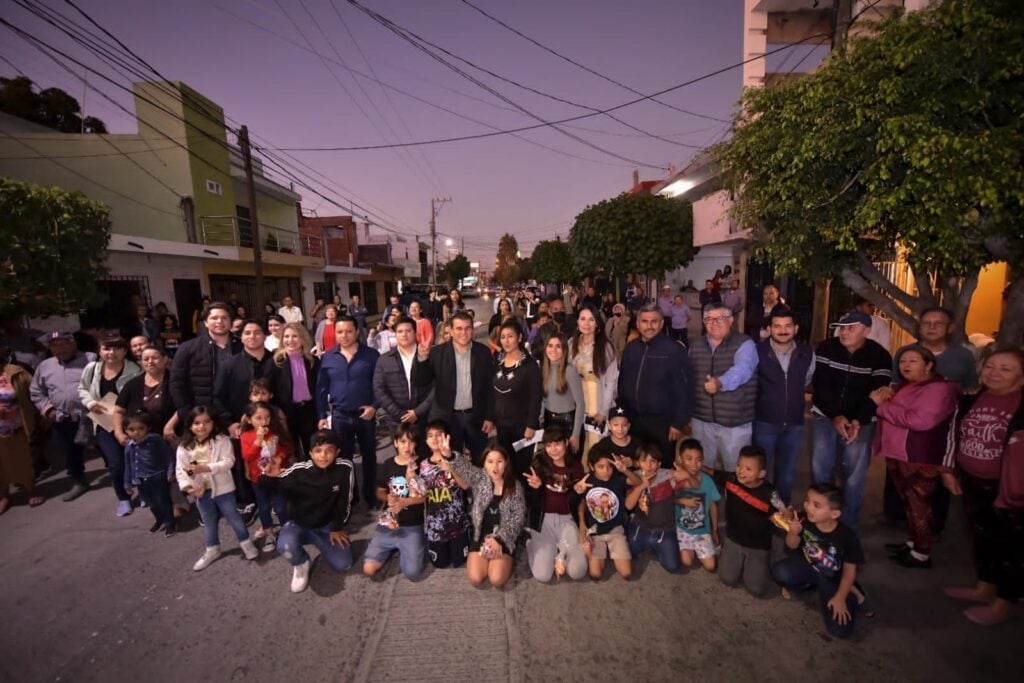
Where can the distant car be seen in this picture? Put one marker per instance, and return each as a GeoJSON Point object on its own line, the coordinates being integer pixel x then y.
{"type": "Point", "coordinates": [420, 293]}
{"type": "Point", "coordinates": [469, 291]}
{"type": "Point", "coordinates": [492, 290]}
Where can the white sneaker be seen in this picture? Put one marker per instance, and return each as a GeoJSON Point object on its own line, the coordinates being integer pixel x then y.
{"type": "Point", "coordinates": [248, 549]}
{"type": "Point", "coordinates": [211, 554]}
{"type": "Point", "coordinates": [269, 542]}
{"type": "Point", "coordinates": [300, 577]}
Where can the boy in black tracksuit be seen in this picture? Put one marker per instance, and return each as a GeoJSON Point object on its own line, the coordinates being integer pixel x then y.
{"type": "Point", "coordinates": [319, 494]}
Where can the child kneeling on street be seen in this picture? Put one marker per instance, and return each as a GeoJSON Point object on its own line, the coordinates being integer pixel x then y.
{"type": "Point", "coordinates": [319, 495]}
{"type": "Point", "coordinates": [400, 527]}
{"type": "Point", "coordinates": [828, 558]}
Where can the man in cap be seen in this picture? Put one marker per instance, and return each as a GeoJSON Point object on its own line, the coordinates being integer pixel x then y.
{"type": "Point", "coordinates": [54, 390]}
{"type": "Point", "coordinates": [848, 368]}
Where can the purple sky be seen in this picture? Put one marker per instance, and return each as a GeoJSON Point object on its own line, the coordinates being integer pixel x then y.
{"type": "Point", "coordinates": [288, 97]}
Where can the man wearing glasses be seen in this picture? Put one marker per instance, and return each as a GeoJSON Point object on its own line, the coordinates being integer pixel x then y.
{"type": "Point", "coordinates": [725, 367]}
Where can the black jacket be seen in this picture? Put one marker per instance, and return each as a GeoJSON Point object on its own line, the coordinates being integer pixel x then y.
{"type": "Point", "coordinates": [231, 388]}
{"type": "Point", "coordinates": [439, 370]}
{"type": "Point", "coordinates": [396, 395]}
{"type": "Point", "coordinates": [194, 372]}
{"type": "Point", "coordinates": [316, 497]}
{"type": "Point", "coordinates": [656, 380]}
{"type": "Point", "coordinates": [842, 381]}
{"type": "Point", "coordinates": [282, 375]}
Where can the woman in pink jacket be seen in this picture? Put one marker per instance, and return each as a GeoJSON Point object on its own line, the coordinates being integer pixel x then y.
{"type": "Point", "coordinates": [913, 423]}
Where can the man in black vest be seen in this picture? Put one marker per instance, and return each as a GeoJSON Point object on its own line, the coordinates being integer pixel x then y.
{"type": "Point", "coordinates": [785, 369]}
{"type": "Point", "coordinates": [725, 367]}
{"type": "Point", "coordinates": [460, 371]}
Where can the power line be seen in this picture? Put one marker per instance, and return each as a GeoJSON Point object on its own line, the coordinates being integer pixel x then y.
{"type": "Point", "coordinates": [583, 66]}
{"type": "Point", "coordinates": [420, 44]}
{"type": "Point", "coordinates": [569, 119]}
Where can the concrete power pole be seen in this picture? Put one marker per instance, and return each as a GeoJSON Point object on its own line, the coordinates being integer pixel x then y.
{"type": "Point", "coordinates": [257, 248]}
{"type": "Point", "coordinates": [435, 208]}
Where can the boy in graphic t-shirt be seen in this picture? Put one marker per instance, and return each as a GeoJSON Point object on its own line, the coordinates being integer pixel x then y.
{"type": "Point", "coordinates": [828, 558]}
{"type": "Point", "coordinates": [696, 512]}
{"type": "Point", "coordinates": [447, 518]}
{"type": "Point", "coordinates": [400, 527]}
{"type": "Point", "coordinates": [602, 513]}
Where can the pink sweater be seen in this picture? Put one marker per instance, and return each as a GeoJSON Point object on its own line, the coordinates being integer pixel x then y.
{"type": "Point", "coordinates": [914, 424]}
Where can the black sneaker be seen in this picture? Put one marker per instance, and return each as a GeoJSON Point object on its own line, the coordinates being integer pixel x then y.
{"type": "Point", "coordinates": [170, 530]}
{"type": "Point", "coordinates": [249, 514]}
{"type": "Point", "coordinates": [896, 548]}
{"type": "Point", "coordinates": [155, 528]}
{"type": "Point", "coordinates": [910, 562]}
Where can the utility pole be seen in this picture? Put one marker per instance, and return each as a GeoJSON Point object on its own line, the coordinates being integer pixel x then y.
{"type": "Point", "coordinates": [435, 208]}
{"type": "Point", "coordinates": [254, 223]}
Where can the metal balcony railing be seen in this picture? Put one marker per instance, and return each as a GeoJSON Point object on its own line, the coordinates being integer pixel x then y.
{"type": "Point", "coordinates": [235, 231]}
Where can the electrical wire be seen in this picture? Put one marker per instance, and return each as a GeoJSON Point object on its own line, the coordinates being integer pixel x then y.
{"type": "Point", "coordinates": [583, 66]}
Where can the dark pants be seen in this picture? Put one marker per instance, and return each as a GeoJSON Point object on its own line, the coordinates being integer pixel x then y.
{"type": "Point", "coordinates": [782, 445]}
{"type": "Point", "coordinates": [466, 434]}
{"type": "Point", "coordinates": [113, 456]}
{"type": "Point", "coordinates": [917, 484]}
{"type": "Point", "coordinates": [794, 573]}
{"type": "Point", "coordinates": [998, 537]}
{"type": "Point", "coordinates": [564, 420]}
{"type": "Point", "coordinates": [74, 455]}
{"type": "Point", "coordinates": [350, 431]}
{"type": "Point", "coordinates": [302, 424]}
{"type": "Point", "coordinates": [267, 501]}
{"type": "Point", "coordinates": [892, 504]}
{"type": "Point", "coordinates": [243, 487]}
{"type": "Point", "coordinates": [655, 430]}
{"type": "Point", "coordinates": [156, 491]}
{"type": "Point", "coordinates": [680, 335]}
{"type": "Point", "coordinates": [508, 434]}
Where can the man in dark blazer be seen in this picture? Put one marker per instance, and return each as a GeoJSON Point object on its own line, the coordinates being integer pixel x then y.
{"type": "Point", "coordinates": [402, 399]}
{"type": "Point", "coordinates": [461, 373]}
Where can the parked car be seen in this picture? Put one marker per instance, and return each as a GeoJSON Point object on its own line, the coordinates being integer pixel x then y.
{"type": "Point", "coordinates": [418, 292]}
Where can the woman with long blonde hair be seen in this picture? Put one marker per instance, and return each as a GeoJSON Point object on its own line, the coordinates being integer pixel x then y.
{"type": "Point", "coordinates": [295, 371]}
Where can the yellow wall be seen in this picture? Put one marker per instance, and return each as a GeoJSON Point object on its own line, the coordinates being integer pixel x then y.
{"type": "Point", "coordinates": [987, 305]}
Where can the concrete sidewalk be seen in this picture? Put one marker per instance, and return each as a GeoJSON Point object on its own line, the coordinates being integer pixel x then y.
{"type": "Point", "coordinates": [88, 596]}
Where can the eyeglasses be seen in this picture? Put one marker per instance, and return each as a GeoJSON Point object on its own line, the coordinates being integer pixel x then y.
{"type": "Point", "coordinates": [717, 319]}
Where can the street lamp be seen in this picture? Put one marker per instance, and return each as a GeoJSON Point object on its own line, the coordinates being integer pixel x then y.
{"type": "Point", "coordinates": [448, 243]}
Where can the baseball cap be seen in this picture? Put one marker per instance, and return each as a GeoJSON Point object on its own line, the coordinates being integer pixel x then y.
{"type": "Point", "coordinates": [56, 335]}
{"type": "Point", "coordinates": [617, 411]}
{"type": "Point", "coordinates": [853, 318]}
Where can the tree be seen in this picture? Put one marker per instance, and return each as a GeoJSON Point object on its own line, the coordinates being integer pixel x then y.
{"type": "Point", "coordinates": [899, 146]}
{"type": "Point", "coordinates": [456, 269]}
{"type": "Point", "coordinates": [506, 270]}
{"type": "Point", "coordinates": [641, 233]}
{"type": "Point", "coordinates": [52, 107]}
{"type": "Point", "coordinates": [551, 262]}
{"type": "Point", "coordinates": [53, 243]}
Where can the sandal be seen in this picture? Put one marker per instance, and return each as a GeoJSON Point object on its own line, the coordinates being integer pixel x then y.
{"type": "Point", "coordinates": [36, 501]}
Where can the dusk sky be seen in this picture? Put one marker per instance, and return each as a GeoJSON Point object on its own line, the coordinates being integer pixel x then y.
{"type": "Point", "coordinates": [274, 82]}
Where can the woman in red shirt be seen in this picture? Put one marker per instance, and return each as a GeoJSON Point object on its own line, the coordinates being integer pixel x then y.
{"type": "Point", "coordinates": [988, 453]}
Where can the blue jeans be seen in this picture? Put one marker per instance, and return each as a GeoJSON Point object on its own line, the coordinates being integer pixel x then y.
{"type": "Point", "coordinates": [782, 444]}
{"type": "Point", "coordinates": [351, 430]}
{"type": "Point", "coordinates": [267, 500]}
{"type": "Point", "coordinates": [663, 543]}
{"type": "Point", "coordinates": [856, 457]}
{"type": "Point", "coordinates": [720, 441]}
{"type": "Point", "coordinates": [410, 543]}
{"type": "Point", "coordinates": [113, 456]}
{"type": "Point", "coordinates": [213, 509]}
{"type": "Point", "coordinates": [794, 573]}
{"type": "Point", "coordinates": [293, 537]}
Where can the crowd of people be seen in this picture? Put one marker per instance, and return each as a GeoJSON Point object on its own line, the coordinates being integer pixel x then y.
{"type": "Point", "coordinates": [584, 429]}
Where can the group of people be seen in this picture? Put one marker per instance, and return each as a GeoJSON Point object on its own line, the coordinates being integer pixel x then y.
{"type": "Point", "coordinates": [556, 437]}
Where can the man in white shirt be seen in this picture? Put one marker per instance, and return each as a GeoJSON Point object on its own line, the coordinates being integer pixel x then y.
{"type": "Point", "coordinates": [400, 398]}
{"type": "Point", "coordinates": [289, 311]}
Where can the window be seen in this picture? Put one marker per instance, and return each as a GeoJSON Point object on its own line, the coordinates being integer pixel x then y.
{"type": "Point", "coordinates": [213, 187]}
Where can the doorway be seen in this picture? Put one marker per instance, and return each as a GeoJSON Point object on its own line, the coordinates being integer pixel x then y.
{"type": "Point", "coordinates": [188, 300]}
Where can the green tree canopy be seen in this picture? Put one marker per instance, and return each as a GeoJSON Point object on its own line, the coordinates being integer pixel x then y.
{"type": "Point", "coordinates": [456, 269]}
{"type": "Point", "coordinates": [506, 270]}
{"type": "Point", "coordinates": [51, 107]}
{"type": "Point", "coordinates": [643, 234]}
{"type": "Point", "coordinates": [52, 246]}
{"type": "Point", "coordinates": [551, 262]}
{"type": "Point", "coordinates": [912, 140]}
